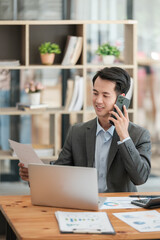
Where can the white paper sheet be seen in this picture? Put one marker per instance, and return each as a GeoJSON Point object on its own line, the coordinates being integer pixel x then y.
{"type": "Point", "coordinates": [144, 221]}
{"type": "Point", "coordinates": [84, 222]}
{"type": "Point", "coordinates": [118, 202]}
{"type": "Point", "coordinates": [25, 153]}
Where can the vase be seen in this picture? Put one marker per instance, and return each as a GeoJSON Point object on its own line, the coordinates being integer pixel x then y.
{"type": "Point", "coordinates": [34, 98]}
{"type": "Point", "coordinates": [108, 59]}
{"type": "Point", "coordinates": [47, 58]}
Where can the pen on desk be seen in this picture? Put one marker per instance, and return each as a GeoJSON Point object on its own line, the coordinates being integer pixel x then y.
{"type": "Point", "coordinates": [144, 196]}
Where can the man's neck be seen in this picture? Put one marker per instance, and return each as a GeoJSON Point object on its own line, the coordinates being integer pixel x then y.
{"type": "Point", "coordinates": [105, 124]}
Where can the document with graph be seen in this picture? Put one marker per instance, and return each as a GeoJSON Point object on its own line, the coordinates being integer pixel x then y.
{"type": "Point", "coordinates": [84, 222]}
{"type": "Point", "coordinates": [118, 203]}
{"type": "Point", "coordinates": [143, 221]}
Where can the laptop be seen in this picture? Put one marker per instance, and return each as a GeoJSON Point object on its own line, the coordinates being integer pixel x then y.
{"type": "Point", "coordinates": [63, 186]}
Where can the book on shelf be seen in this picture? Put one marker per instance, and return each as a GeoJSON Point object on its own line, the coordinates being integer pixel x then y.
{"type": "Point", "coordinates": [73, 50]}
{"type": "Point", "coordinates": [69, 48]}
{"type": "Point", "coordinates": [8, 62]}
{"type": "Point", "coordinates": [79, 101]}
{"type": "Point", "coordinates": [69, 91]}
{"type": "Point", "coordinates": [42, 150]}
{"type": "Point", "coordinates": [77, 51]}
{"type": "Point", "coordinates": [130, 91]}
{"type": "Point", "coordinates": [77, 95]}
{"type": "Point", "coordinates": [25, 107]}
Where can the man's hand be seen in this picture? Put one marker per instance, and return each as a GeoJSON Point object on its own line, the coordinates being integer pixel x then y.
{"type": "Point", "coordinates": [121, 122]}
{"type": "Point", "coordinates": [23, 172]}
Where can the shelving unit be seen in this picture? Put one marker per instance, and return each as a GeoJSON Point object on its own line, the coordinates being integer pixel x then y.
{"type": "Point", "coordinates": [20, 40]}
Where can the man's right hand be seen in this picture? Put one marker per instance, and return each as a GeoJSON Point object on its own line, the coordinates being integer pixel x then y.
{"type": "Point", "coordinates": [23, 172]}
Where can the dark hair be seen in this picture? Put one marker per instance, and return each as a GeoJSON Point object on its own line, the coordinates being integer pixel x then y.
{"type": "Point", "coordinates": [117, 75]}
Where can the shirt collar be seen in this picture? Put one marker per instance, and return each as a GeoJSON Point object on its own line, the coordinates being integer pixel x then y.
{"type": "Point", "coordinates": [99, 128]}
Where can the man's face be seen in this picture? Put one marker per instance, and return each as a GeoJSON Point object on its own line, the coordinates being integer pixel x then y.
{"type": "Point", "coordinates": [104, 97]}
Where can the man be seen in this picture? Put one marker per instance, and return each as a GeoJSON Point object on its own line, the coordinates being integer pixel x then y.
{"type": "Point", "coordinates": [120, 152]}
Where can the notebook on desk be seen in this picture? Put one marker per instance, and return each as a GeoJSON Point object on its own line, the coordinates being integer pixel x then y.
{"type": "Point", "coordinates": [64, 186]}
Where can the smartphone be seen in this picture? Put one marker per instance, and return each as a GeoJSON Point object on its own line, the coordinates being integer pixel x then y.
{"type": "Point", "coordinates": [147, 202]}
{"type": "Point", "coordinates": [121, 100]}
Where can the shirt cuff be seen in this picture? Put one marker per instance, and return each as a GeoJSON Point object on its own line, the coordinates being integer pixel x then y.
{"type": "Point", "coordinates": [124, 140]}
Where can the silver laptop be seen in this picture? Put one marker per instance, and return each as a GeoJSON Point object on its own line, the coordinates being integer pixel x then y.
{"type": "Point", "coordinates": [63, 186]}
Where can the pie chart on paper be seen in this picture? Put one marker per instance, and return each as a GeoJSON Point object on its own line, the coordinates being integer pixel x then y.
{"type": "Point", "coordinates": [111, 204]}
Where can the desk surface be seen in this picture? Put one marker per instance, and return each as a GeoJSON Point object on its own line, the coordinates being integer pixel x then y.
{"type": "Point", "coordinates": [36, 222]}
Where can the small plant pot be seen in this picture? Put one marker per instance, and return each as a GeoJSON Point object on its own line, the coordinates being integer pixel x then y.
{"type": "Point", "coordinates": [34, 98]}
{"type": "Point", "coordinates": [47, 58]}
{"type": "Point", "coordinates": [108, 59]}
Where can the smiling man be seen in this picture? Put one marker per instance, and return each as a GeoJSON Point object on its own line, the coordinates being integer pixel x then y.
{"type": "Point", "coordinates": [120, 152]}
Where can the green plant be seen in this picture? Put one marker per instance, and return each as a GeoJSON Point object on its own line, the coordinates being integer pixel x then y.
{"type": "Point", "coordinates": [49, 47]}
{"type": "Point", "coordinates": [107, 49]}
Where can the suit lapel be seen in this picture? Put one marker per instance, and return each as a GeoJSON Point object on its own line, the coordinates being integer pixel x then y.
{"type": "Point", "coordinates": [90, 142]}
{"type": "Point", "coordinates": [113, 149]}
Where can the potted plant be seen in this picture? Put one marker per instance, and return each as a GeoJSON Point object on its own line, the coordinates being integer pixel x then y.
{"type": "Point", "coordinates": [108, 53]}
{"type": "Point", "coordinates": [47, 52]}
{"type": "Point", "coordinates": [34, 92]}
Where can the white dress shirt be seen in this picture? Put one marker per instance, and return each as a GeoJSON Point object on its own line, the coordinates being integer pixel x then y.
{"type": "Point", "coordinates": [103, 142]}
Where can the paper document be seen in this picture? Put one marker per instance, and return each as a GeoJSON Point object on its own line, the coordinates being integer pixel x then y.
{"type": "Point", "coordinates": [25, 153]}
{"type": "Point", "coordinates": [143, 221]}
{"type": "Point", "coordinates": [84, 222]}
{"type": "Point", "coordinates": [118, 202]}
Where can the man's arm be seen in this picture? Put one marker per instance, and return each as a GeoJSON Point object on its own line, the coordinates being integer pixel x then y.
{"type": "Point", "coordinates": [136, 156]}
{"type": "Point", "coordinates": [136, 151]}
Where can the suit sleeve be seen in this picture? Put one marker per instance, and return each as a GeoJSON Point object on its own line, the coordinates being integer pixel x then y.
{"type": "Point", "coordinates": [136, 157]}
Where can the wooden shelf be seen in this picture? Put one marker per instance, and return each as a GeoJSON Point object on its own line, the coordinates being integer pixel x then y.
{"type": "Point", "coordinates": [90, 66]}
{"type": "Point", "coordinates": [23, 46]}
{"type": "Point", "coordinates": [14, 111]}
{"type": "Point", "coordinates": [8, 155]}
{"type": "Point", "coordinates": [67, 22]}
{"type": "Point", "coordinates": [42, 67]}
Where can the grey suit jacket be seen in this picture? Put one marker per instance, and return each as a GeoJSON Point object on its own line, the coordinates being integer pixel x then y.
{"type": "Point", "coordinates": [128, 163]}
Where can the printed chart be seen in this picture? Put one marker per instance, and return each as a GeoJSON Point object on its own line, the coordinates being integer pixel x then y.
{"type": "Point", "coordinates": [118, 202]}
{"type": "Point", "coordinates": [144, 221]}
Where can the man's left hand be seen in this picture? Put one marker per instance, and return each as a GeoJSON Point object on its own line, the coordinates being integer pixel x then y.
{"type": "Point", "coordinates": [121, 122]}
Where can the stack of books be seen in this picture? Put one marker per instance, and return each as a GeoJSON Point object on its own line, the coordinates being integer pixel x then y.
{"type": "Point", "coordinates": [25, 107]}
{"type": "Point", "coordinates": [74, 94]}
{"type": "Point", "coordinates": [73, 50]}
{"type": "Point", "coordinates": [9, 62]}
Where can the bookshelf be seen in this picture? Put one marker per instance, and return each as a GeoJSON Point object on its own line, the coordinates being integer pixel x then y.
{"type": "Point", "coordinates": [20, 40]}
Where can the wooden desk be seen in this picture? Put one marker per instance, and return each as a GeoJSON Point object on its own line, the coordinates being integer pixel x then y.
{"type": "Point", "coordinates": [30, 222]}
